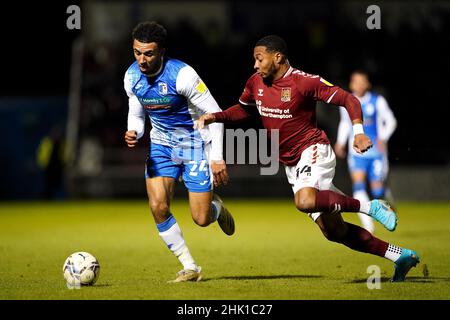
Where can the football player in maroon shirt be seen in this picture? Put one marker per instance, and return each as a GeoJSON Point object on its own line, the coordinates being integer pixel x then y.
{"type": "Point", "coordinates": [285, 99]}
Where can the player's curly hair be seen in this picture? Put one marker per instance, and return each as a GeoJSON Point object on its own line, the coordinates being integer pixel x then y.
{"type": "Point", "coordinates": [273, 43]}
{"type": "Point", "coordinates": [150, 31]}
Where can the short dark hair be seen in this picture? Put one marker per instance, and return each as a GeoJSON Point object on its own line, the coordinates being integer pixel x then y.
{"type": "Point", "coordinates": [150, 31]}
{"type": "Point", "coordinates": [361, 72]}
{"type": "Point", "coordinates": [273, 43]}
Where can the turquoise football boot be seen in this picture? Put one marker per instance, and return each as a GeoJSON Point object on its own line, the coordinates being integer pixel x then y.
{"type": "Point", "coordinates": [382, 212]}
{"type": "Point", "coordinates": [407, 260]}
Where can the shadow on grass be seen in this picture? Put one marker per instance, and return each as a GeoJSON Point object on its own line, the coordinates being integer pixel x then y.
{"type": "Point", "coordinates": [100, 285]}
{"type": "Point", "coordinates": [281, 276]}
{"type": "Point", "coordinates": [408, 279]}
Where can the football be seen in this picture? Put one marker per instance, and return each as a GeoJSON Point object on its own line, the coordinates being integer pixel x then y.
{"type": "Point", "coordinates": [81, 269]}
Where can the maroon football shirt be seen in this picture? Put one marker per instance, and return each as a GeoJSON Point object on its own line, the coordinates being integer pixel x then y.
{"type": "Point", "coordinates": [289, 105]}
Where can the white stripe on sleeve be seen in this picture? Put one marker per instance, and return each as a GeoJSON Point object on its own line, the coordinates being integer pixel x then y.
{"type": "Point", "coordinates": [329, 99]}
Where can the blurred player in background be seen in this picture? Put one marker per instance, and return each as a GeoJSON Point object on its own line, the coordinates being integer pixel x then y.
{"type": "Point", "coordinates": [172, 94]}
{"type": "Point", "coordinates": [379, 125]}
{"type": "Point", "coordinates": [286, 98]}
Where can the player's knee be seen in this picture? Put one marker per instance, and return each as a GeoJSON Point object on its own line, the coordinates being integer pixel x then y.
{"type": "Point", "coordinates": [201, 220]}
{"type": "Point", "coordinates": [305, 204]}
{"type": "Point", "coordinates": [159, 209]}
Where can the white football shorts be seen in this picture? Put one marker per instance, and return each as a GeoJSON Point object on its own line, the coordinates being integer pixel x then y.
{"type": "Point", "coordinates": [315, 169]}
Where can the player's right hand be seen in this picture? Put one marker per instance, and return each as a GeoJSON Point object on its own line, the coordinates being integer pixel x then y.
{"type": "Point", "coordinates": [204, 120]}
{"type": "Point", "coordinates": [220, 174]}
{"type": "Point", "coordinates": [131, 138]}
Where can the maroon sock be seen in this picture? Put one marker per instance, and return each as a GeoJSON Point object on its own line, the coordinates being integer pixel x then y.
{"type": "Point", "coordinates": [330, 201]}
{"type": "Point", "coordinates": [360, 239]}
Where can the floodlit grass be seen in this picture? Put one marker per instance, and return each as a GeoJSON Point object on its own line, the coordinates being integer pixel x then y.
{"type": "Point", "coordinates": [276, 253]}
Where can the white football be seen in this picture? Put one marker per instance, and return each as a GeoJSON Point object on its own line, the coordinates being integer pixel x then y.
{"type": "Point", "coordinates": [81, 268]}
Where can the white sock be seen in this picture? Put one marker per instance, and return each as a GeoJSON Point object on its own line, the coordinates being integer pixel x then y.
{"type": "Point", "coordinates": [364, 206]}
{"type": "Point", "coordinates": [393, 252]}
{"type": "Point", "coordinates": [366, 221]}
{"type": "Point", "coordinates": [361, 195]}
{"type": "Point", "coordinates": [216, 207]}
{"type": "Point", "coordinates": [171, 234]}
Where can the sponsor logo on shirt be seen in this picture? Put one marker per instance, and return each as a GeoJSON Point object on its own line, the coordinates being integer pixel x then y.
{"type": "Point", "coordinates": [260, 92]}
{"type": "Point", "coordinates": [200, 86]}
{"type": "Point", "coordinates": [154, 101]}
{"type": "Point", "coordinates": [156, 107]}
{"type": "Point", "coordinates": [285, 94]}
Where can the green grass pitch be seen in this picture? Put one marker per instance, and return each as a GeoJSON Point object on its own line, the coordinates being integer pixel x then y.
{"type": "Point", "coordinates": [276, 253]}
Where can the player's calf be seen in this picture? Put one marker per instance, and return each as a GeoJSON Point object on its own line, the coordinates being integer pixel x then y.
{"type": "Point", "coordinates": [160, 210]}
{"type": "Point", "coordinates": [334, 235]}
{"type": "Point", "coordinates": [332, 226]}
{"type": "Point", "coordinates": [310, 200]}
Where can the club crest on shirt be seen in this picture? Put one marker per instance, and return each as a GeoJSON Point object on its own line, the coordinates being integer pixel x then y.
{"type": "Point", "coordinates": [285, 94]}
{"type": "Point", "coordinates": [162, 88]}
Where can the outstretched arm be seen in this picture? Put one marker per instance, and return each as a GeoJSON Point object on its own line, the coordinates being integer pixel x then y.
{"type": "Point", "coordinates": [320, 89]}
{"type": "Point", "coordinates": [218, 166]}
{"type": "Point", "coordinates": [361, 143]}
{"type": "Point", "coordinates": [239, 112]}
{"type": "Point", "coordinates": [234, 113]}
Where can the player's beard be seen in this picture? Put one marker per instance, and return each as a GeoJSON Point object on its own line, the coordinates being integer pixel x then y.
{"type": "Point", "coordinates": [155, 68]}
{"type": "Point", "coordinates": [270, 75]}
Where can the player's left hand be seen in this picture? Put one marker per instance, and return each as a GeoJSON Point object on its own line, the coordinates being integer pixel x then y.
{"type": "Point", "coordinates": [361, 143]}
{"type": "Point", "coordinates": [220, 174]}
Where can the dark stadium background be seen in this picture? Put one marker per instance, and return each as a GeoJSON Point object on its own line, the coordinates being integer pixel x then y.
{"type": "Point", "coordinates": [407, 60]}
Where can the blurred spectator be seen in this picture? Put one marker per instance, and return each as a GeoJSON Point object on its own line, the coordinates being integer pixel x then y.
{"type": "Point", "coordinates": [51, 158]}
